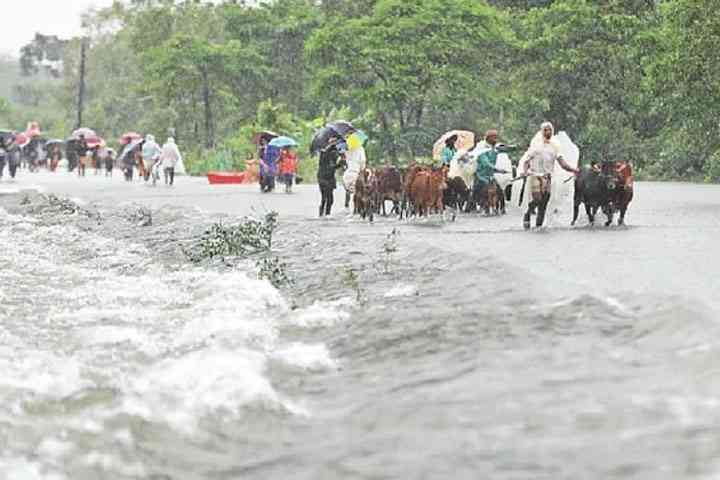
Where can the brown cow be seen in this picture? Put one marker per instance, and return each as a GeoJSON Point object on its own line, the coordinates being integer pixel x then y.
{"type": "Point", "coordinates": [406, 207]}
{"type": "Point", "coordinates": [365, 193]}
{"type": "Point", "coordinates": [426, 189]}
{"type": "Point", "coordinates": [390, 188]}
{"type": "Point", "coordinates": [492, 199]}
{"type": "Point", "coordinates": [625, 191]}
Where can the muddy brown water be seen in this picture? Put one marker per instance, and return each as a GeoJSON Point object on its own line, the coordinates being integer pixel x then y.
{"type": "Point", "coordinates": [444, 350]}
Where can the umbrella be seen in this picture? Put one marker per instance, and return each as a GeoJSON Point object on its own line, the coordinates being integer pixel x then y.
{"type": "Point", "coordinates": [356, 139]}
{"type": "Point", "coordinates": [6, 134]}
{"type": "Point", "coordinates": [129, 137]}
{"type": "Point", "coordinates": [283, 142]}
{"type": "Point", "coordinates": [93, 142]}
{"type": "Point", "coordinates": [54, 141]}
{"type": "Point", "coordinates": [465, 141]}
{"type": "Point", "coordinates": [322, 139]}
{"type": "Point", "coordinates": [86, 132]}
{"type": "Point", "coordinates": [21, 139]}
{"type": "Point", "coordinates": [267, 135]}
{"type": "Point", "coordinates": [344, 128]}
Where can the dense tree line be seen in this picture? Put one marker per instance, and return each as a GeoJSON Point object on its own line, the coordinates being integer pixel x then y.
{"type": "Point", "coordinates": [634, 79]}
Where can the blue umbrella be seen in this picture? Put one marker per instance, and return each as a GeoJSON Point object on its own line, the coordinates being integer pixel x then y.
{"type": "Point", "coordinates": [283, 142]}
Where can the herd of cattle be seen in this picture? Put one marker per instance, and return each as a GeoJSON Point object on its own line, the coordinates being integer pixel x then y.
{"type": "Point", "coordinates": [421, 190]}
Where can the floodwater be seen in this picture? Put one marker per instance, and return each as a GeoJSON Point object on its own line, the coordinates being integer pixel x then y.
{"type": "Point", "coordinates": [457, 350]}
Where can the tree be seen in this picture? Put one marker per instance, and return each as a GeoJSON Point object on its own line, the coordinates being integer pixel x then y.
{"type": "Point", "coordinates": [404, 60]}
{"type": "Point", "coordinates": [45, 53]}
{"type": "Point", "coordinates": [585, 61]}
{"type": "Point", "coordinates": [684, 76]}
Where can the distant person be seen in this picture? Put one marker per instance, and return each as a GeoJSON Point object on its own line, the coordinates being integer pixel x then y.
{"type": "Point", "coordinates": [151, 155]}
{"type": "Point", "coordinates": [169, 158]}
{"type": "Point", "coordinates": [14, 157]}
{"type": "Point", "coordinates": [55, 157]}
{"type": "Point", "coordinates": [128, 163]}
{"type": "Point", "coordinates": [449, 150]}
{"type": "Point", "coordinates": [6, 142]}
{"type": "Point", "coordinates": [331, 159]}
{"type": "Point", "coordinates": [288, 168]}
{"type": "Point", "coordinates": [98, 156]}
{"type": "Point", "coordinates": [268, 168]}
{"type": "Point", "coordinates": [109, 160]}
{"type": "Point", "coordinates": [82, 149]}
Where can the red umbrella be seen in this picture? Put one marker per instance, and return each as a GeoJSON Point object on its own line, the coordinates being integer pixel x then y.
{"type": "Point", "coordinates": [129, 137]}
{"type": "Point", "coordinates": [93, 142]}
{"type": "Point", "coordinates": [21, 139]}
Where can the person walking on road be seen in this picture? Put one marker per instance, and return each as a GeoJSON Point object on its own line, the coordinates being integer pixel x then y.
{"type": "Point", "coordinates": [151, 155]}
{"type": "Point", "coordinates": [169, 158]}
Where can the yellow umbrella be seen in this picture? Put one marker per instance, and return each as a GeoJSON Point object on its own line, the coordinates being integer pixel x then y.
{"type": "Point", "coordinates": [356, 140]}
{"type": "Point", "coordinates": [465, 141]}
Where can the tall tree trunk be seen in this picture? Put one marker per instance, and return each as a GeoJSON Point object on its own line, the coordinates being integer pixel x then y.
{"type": "Point", "coordinates": [81, 87]}
{"type": "Point", "coordinates": [209, 128]}
{"type": "Point", "coordinates": [388, 139]}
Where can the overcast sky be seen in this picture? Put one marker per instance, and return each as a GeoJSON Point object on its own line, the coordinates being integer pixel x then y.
{"type": "Point", "coordinates": [22, 18]}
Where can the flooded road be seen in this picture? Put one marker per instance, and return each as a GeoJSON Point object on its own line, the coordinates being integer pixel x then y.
{"type": "Point", "coordinates": [420, 349]}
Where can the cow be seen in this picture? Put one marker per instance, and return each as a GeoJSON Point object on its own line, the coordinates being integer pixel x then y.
{"type": "Point", "coordinates": [406, 207]}
{"type": "Point", "coordinates": [625, 191]}
{"type": "Point", "coordinates": [609, 188]}
{"type": "Point", "coordinates": [457, 194]}
{"type": "Point", "coordinates": [493, 199]}
{"type": "Point", "coordinates": [390, 188]}
{"type": "Point", "coordinates": [365, 194]}
{"type": "Point", "coordinates": [425, 190]}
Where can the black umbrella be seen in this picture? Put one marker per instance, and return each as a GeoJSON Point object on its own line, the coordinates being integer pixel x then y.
{"type": "Point", "coordinates": [322, 139]}
{"type": "Point", "coordinates": [5, 135]}
{"type": "Point", "coordinates": [344, 128]}
{"type": "Point", "coordinates": [54, 141]}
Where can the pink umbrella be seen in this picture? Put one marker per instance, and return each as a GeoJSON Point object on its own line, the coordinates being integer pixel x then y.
{"type": "Point", "coordinates": [129, 137]}
{"type": "Point", "coordinates": [86, 132]}
{"type": "Point", "coordinates": [21, 139]}
{"type": "Point", "coordinates": [95, 141]}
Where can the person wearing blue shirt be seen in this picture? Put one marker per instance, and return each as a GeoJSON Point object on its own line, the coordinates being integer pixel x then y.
{"type": "Point", "coordinates": [486, 163]}
{"type": "Point", "coordinates": [449, 150]}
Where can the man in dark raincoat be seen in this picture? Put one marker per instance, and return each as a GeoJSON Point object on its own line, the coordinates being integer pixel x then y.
{"type": "Point", "coordinates": [331, 159]}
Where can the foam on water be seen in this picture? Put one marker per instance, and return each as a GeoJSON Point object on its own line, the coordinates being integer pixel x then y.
{"type": "Point", "coordinates": [111, 332]}
{"type": "Point", "coordinates": [306, 356]}
{"type": "Point", "coordinates": [21, 469]}
{"type": "Point", "coordinates": [322, 314]}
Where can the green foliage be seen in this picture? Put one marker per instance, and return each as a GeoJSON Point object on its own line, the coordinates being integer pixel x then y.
{"type": "Point", "coordinates": [405, 61]}
{"type": "Point", "coordinates": [247, 238]}
{"type": "Point", "coordinates": [273, 270]}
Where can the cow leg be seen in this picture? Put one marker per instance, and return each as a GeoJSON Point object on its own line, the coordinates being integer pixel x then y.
{"type": "Point", "coordinates": [610, 213]}
{"type": "Point", "coordinates": [623, 209]}
{"type": "Point", "coordinates": [347, 199]}
{"type": "Point", "coordinates": [590, 214]}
